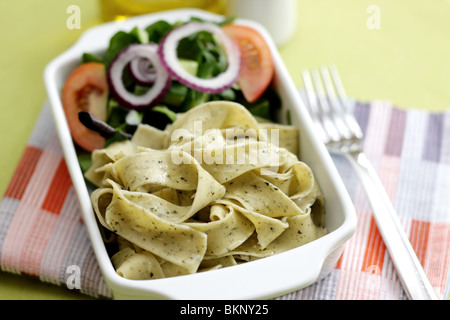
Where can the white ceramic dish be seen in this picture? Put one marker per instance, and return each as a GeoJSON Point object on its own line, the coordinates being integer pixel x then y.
{"type": "Point", "coordinates": [265, 278]}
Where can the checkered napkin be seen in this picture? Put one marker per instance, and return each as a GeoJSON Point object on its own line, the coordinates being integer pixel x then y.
{"type": "Point", "coordinates": [42, 233]}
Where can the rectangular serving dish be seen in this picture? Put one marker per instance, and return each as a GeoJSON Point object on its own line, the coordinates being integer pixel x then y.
{"type": "Point", "coordinates": [266, 278]}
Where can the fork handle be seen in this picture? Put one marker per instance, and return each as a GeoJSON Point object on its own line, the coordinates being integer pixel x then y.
{"type": "Point", "coordinates": [408, 267]}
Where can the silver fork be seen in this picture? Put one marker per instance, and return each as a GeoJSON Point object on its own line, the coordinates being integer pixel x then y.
{"type": "Point", "coordinates": [339, 130]}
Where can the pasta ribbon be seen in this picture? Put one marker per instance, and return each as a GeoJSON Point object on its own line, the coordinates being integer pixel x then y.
{"type": "Point", "coordinates": [216, 188]}
{"type": "Point", "coordinates": [176, 243]}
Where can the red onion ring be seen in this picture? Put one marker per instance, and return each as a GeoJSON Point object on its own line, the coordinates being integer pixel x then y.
{"type": "Point", "coordinates": [142, 72]}
{"type": "Point", "coordinates": [168, 54]}
{"type": "Point", "coordinates": [115, 70]}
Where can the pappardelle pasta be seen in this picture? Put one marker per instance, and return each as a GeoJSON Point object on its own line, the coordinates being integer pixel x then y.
{"type": "Point", "coordinates": [214, 189]}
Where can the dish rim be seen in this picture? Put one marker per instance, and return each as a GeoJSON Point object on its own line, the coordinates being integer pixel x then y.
{"type": "Point", "coordinates": [180, 287]}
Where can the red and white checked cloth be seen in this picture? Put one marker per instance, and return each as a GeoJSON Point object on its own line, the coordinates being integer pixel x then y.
{"type": "Point", "coordinates": [42, 233]}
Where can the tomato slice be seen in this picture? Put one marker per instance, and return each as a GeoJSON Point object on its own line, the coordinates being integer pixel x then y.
{"type": "Point", "coordinates": [86, 89]}
{"type": "Point", "coordinates": [257, 67]}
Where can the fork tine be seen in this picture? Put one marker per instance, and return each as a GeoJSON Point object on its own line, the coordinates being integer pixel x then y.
{"type": "Point", "coordinates": [335, 107]}
{"type": "Point", "coordinates": [348, 116]}
{"type": "Point", "coordinates": [325, 111]}
{"type": "Point", "coordinates": [313, 106]}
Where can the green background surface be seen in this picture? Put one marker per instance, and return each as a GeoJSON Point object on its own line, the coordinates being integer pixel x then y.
{"type": "Point", "coordinates": [405, 61]}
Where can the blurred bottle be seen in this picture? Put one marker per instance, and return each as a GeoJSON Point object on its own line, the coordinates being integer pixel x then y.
{"type": "Point", "coordinates": [120, 9]}
{"type": "Point", "coordinates": [278, 16]}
